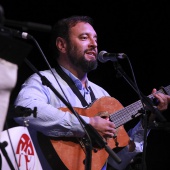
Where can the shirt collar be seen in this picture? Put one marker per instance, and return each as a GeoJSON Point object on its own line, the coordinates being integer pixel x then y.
{"type": "Point", "coordinates": [75, 79]}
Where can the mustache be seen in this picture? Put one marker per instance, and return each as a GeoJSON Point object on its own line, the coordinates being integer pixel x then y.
{"type": "Point", "coordinates": [92, 49]}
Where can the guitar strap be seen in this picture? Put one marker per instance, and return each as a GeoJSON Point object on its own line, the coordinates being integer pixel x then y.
{"type": "Point", "coordinates": [72, 85]}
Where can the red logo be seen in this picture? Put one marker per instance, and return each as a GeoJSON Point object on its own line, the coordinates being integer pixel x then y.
{"type": "Point", "coordinates": [25, 153]}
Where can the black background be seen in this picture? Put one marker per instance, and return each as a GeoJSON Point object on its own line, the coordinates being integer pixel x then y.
{"type": "Point", "coordinates": [138, 28]}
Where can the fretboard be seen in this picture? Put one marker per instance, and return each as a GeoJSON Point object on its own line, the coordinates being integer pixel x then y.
{"type": "Point", "coordinates": [133, 110]}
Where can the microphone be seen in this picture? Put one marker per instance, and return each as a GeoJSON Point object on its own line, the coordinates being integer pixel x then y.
{"type": "Point", "coordinates": [104, 56]}
{"type": "Point", "coordinates": [14, 33]}
{"type": "Point", "coordinates": [20, 111]}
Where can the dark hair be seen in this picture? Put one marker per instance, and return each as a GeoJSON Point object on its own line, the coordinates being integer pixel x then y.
{"type": "Point", "coordinates": [62, 27]}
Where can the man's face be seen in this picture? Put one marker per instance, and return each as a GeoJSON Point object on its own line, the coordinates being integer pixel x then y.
{"type": "Point", "coordinates": [82, 46]}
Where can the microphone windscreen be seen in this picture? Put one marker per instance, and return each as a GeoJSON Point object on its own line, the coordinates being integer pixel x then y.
{"type": "Point", "coordinates": [100, 56]}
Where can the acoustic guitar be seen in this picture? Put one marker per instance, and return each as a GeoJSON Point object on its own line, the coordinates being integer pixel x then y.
{"type": "Point", "coordinates": [70, 153]}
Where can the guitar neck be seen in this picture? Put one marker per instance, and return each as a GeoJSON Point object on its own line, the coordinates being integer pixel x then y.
{"type": "Point", "coordinates": [165, 90]}
{"type": "Point", "coordinates": [133, 110]}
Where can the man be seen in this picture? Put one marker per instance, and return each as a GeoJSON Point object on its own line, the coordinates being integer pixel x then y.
{"type": "Point", "coordinates": [74, 42]}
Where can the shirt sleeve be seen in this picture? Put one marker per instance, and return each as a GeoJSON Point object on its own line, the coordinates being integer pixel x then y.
{"type": "Point", "coordinates": [136, 134]}
{"type": "Point", "coordinates": [50, 120]}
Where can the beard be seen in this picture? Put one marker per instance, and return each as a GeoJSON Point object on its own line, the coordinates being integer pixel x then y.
{"type": "Point", "coordinates": [80, 61]}
{"type": "Point", "coordinates": [85, 65]}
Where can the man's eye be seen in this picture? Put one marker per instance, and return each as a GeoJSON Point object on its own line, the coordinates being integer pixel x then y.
{"type": "Point", "coordinates": [84, 38]}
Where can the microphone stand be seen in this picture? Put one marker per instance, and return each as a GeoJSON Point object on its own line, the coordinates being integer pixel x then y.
{"type": "Point", "coordinates": [148, 103]}
{"type": "Point", "coordinates": [2, 147]}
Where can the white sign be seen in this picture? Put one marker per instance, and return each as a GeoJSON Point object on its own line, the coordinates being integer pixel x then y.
{"type": "Point", "coordinates": [24, 151]}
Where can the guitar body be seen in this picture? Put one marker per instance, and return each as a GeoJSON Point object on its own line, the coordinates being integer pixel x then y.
{"type": "Point", "coordinates": [72, 153]}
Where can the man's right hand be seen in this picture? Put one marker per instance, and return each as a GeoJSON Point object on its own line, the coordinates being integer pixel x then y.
{"type": "Point", "coordinates": [105, 127]}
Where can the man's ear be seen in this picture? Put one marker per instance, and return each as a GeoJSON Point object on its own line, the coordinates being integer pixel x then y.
{"type": "Point", "coordinates": [61, 44]}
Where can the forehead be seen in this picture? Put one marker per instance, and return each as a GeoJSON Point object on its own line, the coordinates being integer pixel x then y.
{"type": "Point", "coordinates": [83, 28]}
